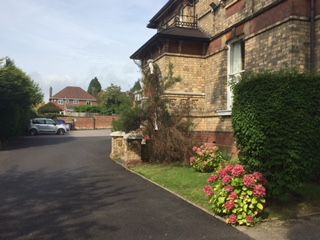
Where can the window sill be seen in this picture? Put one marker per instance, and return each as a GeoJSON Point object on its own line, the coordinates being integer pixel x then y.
{"type": "Point", "coordinates": [224, 113]}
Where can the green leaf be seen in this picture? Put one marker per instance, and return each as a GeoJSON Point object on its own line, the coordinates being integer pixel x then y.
{"type": "Point", "coordinates": [221, 200]}
{"type": "Point", "coordinates": [260, 206]}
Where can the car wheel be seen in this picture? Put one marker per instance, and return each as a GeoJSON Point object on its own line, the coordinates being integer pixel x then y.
{"type": "Point", "coordinates": [33, 132]}
{"type": "Point", "coordinates": [61, 131]}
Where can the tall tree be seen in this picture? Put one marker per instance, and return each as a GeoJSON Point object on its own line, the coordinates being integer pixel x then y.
{"type": "Point", "coordinates": [136, 87]}
{"type": "Point", "coordinates": [94, 87]}
{"type": "Point", "coordinates": [18, 95]}
{"type": "Point", "coordinates": [114, 99]}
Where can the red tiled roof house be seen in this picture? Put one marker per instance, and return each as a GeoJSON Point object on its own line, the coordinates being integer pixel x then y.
{"type": "Point", "coordinates": [71, 97]}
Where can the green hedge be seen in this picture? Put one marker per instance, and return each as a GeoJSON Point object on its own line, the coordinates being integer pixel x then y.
{"type": "Point", "coordinates": [93, 109]}
{"type": "Point", "coordinates": [49, 108]}
{"type": "Point", "coordinates": [129, 120]}
{"type": "Point", "coordinates": [276, 119]}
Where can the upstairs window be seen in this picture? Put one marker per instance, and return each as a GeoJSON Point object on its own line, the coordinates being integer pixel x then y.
{"type": "Point", "coordinates": [235, 68]}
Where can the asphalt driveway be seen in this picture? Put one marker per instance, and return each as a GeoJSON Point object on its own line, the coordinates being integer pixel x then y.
{"type": "Point", "coordinates": [66, 187]}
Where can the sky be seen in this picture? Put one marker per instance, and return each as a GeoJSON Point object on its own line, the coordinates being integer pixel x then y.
{"type": "Point", "coordinates": [63, 43]}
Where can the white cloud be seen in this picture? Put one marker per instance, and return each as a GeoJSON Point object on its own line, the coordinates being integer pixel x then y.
{"type": "Point", "coordinates": [68, 42]}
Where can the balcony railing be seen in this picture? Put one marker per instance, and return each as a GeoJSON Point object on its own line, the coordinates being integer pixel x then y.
{"type": "Point", "coordinates": [184, 21]}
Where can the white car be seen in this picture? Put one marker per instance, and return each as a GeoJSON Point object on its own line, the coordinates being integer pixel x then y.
{"type": "Point", "coordinates": [45, 125]}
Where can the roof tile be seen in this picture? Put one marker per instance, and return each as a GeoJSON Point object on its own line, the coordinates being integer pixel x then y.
{"type": "Point", "coordinates": [74, 93]}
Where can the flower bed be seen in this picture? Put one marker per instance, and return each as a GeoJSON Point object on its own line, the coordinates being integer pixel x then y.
{"type": "Point", "coordinates": [237, 195]}
{"type": "Point", "coordinates": [206, 158]}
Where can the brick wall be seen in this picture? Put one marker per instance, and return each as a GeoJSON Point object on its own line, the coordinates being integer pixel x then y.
{"type": "Point", "coordinates": [84, 123]}
{"type": "Point", "coordinates": [189, 68]}
{"type": "Point", "coordinates": [222, 139]}
{"type": "Point", "coordinates": [103, 122]}
{"type": "Point", "coordinates": [274, 40]}
{"type": "Point", "coordinates": [90, 123]}
{"type": "Point", "coordinates": [285, 46]}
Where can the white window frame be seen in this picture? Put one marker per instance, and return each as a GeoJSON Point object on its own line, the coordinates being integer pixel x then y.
{"type": "Point", "coordinates": [75, 101]}
{"type": "Point", "coordinates": [233, 77]}
{"type": "Point", "coordinates": [60, 102]}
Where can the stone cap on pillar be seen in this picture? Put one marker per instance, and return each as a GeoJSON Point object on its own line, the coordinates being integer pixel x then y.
{"type": "Point", "coordinates": [133, 135]}
{"type": "Point", "coordinates": [118, 134]}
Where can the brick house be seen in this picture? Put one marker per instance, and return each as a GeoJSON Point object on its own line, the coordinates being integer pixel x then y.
{"type": "Point", "coordinates": [211, 42]}
{"type": "Point", "coordinates": [71, 97]}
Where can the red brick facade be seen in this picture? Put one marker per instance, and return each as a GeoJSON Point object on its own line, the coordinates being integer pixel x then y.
{"type": "Point", "coordinates": [274, 35]}
{"type": "Point", "coordinates": [91, 123]}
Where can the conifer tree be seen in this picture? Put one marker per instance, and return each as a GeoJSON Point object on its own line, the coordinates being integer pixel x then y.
{"type": "Point", "coordinates": [94, 87]}
{"type": "Point", "coordinates": [168, 127]}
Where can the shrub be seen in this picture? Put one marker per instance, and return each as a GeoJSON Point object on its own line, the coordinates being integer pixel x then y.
{"type": "Point", "coordinates": [276, 119]}
{"type": "Point", "coordinates": [237, 195]}
{"type": "Point", "coordinates": [166, 123]}
{"type": "Point", "coordinates": [206, 158]}
{"type": "Point", "coordinates": [129, 120]}
{"type": "Point", "coordinates": [18, 95]}
{"type": "Point", "coordinates": [49, 108]}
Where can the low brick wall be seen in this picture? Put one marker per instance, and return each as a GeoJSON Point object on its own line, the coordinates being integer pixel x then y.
{"type": "Point", "coordinates": [90, 123]}
{"type": "Point", "coordinates": [81, 123]}
{"type": "Point", "coordinates": [224, 140]}
{"type": "Point", "coordinates": [102, 122]}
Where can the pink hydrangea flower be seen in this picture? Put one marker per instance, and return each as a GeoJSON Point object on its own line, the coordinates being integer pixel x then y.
{"type": "Point", "coordinates": [249, 180]}
{"type": "Point", "coordinates": [227, 179]}
{"type": "Point", "coordinates": [260, 178]}
{"type": "Point", "coordinates": [233, 219]}
{"type": "Point", "coordinates": [238, 170]}
{"type": "Point", "coordinates": [250, 219]}
{"type": "Point", "coordinates": [213, 179]}
{"type": "Point", "coordinates": [233, 196]}
{"type": "Point", "coordinates": [226, 171]}
{"type": "Point", "coordinates": [208, 190]}
{"type": "Point", "coordinates": [200, 152]}
{"type": "Point", "coordinates": [230, 205]}
{"type": "Point", "coordinates": [229, 188]}
{"type": "Point", "coordinates": [260, 191]}
{"type": "Point", "coordinates": [192, 160]}
{"type": "Point", "coordinates": [194, 149]}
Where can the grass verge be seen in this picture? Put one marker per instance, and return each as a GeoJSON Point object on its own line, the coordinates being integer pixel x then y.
{"type": "Point", "coordinates": [182, 180]}
{"type": "Point", "coordinates": [189, 184]}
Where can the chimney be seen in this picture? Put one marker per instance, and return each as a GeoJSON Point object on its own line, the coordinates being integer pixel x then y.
{"type": "Point", "coordinates": [50, 93]}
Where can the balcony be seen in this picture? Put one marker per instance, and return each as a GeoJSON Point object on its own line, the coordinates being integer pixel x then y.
{"type": "Point", "coordinates": [182, 21]}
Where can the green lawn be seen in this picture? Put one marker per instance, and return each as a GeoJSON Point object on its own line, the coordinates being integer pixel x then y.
{"type": "Point", "coordinates": [189, 184]}
{"type": "Point", "coordinates": [182, 180]}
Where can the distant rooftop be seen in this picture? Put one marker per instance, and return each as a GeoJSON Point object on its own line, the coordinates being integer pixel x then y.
{"type": "Point", "coordinates": [73, 93]}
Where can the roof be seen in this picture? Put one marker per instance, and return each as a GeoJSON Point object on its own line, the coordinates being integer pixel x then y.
{"type": "Point", "coordinates": [154, 21]}
{"type": "Point", "coordinates": [193, 34]}
{"type": "Point", "coordinates": [74, 93]}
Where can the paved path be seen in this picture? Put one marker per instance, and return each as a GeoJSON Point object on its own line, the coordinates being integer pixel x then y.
{"type": "Point", "coordinates": [65, 187]}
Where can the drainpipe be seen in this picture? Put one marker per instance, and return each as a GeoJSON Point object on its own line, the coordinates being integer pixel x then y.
{"type": "Point", "coordinates": [312, 36]}
{"type": "Point", "coordinates": [194, 13]}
